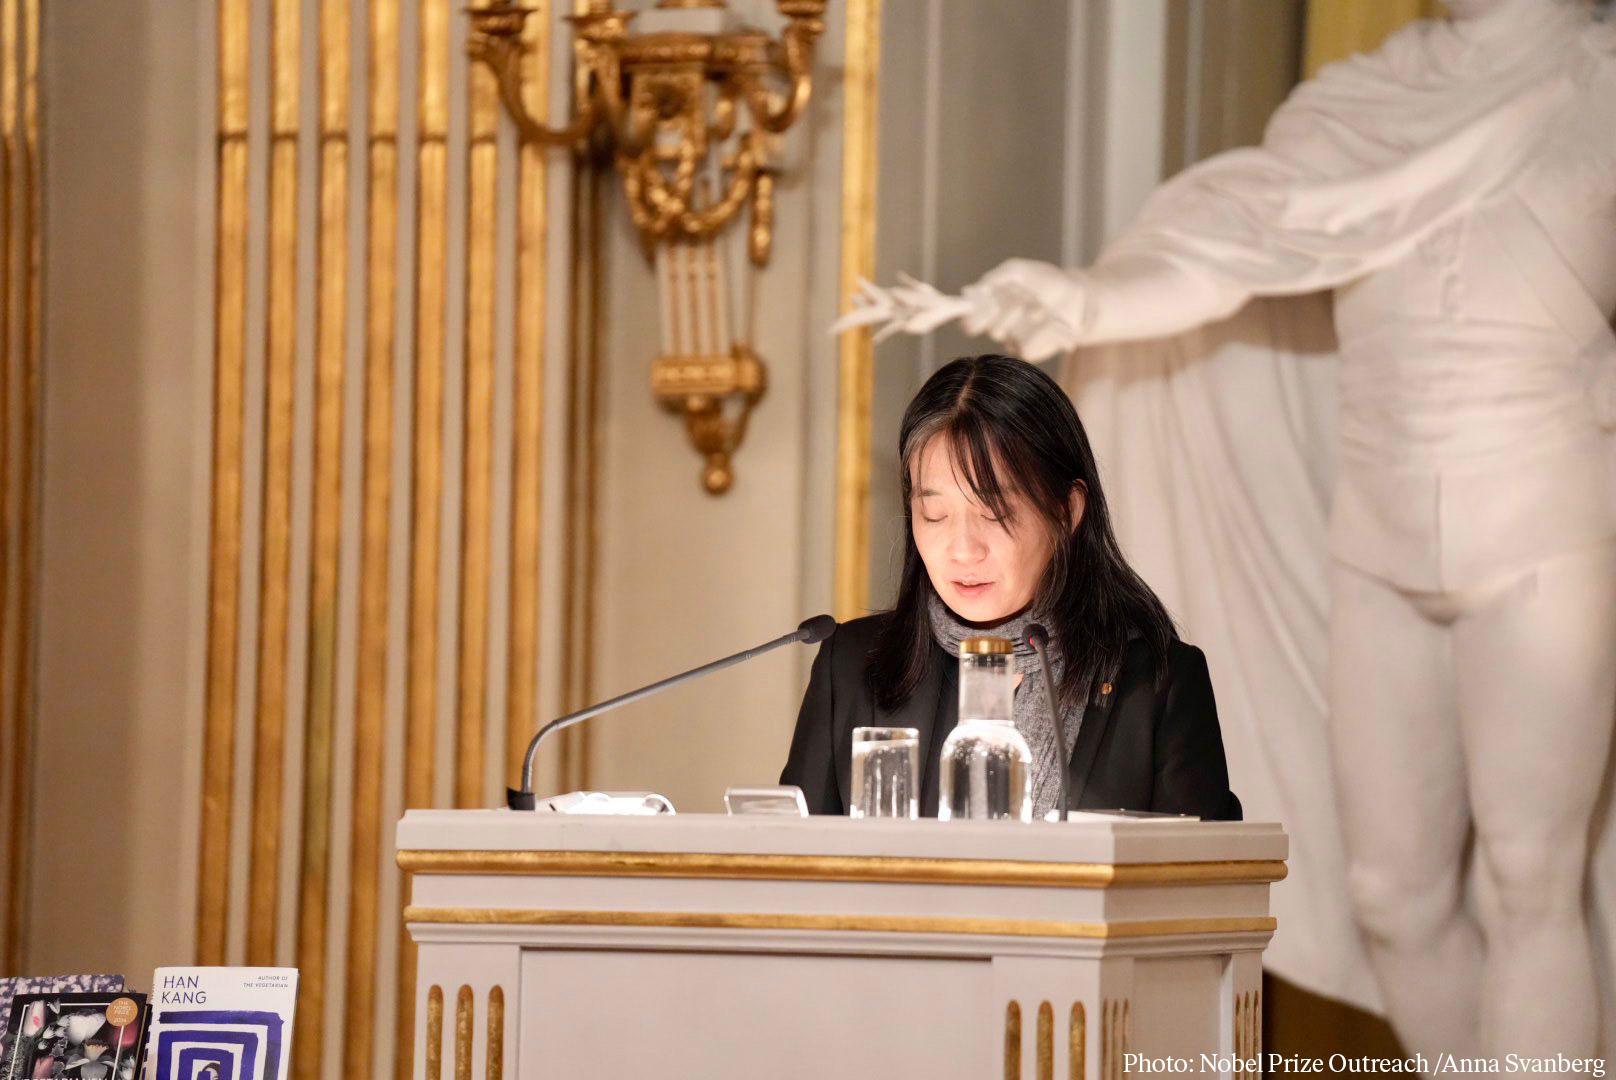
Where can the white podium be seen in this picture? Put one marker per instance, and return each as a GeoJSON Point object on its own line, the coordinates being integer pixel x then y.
{"type": "Point", "coordinates": [714, 948]}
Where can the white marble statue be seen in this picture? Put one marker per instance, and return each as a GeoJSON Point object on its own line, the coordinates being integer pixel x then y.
{"type": "Point", "coordinates": [1454, 195]}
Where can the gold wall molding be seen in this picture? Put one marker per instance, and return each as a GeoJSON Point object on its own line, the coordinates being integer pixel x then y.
{"type": "Point", "coordinates": [381, 194]}
{"type": "Point", "coordinates": [426, 463]}
{"type": "Point", "coordinates": [225, 542]}
{"type": "Point", "coordinates": [839, 868]}
{"type": "Point", "coordinates": [274, 583]}
{"type": "Point", "coordinates": [1338, 28]}
{"type": "Point", "coordinates": [20, 255]}
{"type": "Point", "coordinates": [855, 352]}
{"type": "Point", "coordinates": [886, 924]}
{"type": "Point", "coordinates": [320, 687]}
{"type": "Point", "coordinates": [527, 406]}
{"type": "Point", "coordinates": [476, 500]}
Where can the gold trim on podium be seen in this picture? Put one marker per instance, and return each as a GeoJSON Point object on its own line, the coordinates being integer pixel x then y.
{"type": "Point", "coordinates": [1012, 1041]}
{"type": "Point", "coordinates": [1044, 1062]}
{"type": "Point", "coordinates": [464, 1027]}
{"type": "Point", "coordinates": [1077, 1048]}
{"type": "Point", "coordinates": [884, 924]}
{"type": "Point", "coordinates": [840, 868]}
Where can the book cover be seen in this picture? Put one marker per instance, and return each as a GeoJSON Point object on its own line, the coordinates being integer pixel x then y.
{"type": "Point", "coordinates": [74, 1036]}
{"type": "Point", "coordinates": [222, 1023]}
{"type": "Point", "coordinates": [51, 984]}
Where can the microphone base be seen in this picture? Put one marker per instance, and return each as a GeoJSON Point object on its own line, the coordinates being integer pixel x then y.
{"type": "Point", "coordinates": [521, 800]}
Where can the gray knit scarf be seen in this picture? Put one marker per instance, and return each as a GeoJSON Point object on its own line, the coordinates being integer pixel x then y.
{"type": "Point", "coordinates": [1031, 710]}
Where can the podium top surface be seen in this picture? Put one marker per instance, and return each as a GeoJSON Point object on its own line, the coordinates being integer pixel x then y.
{"type": "Point", "coordinates": [1118, 841]}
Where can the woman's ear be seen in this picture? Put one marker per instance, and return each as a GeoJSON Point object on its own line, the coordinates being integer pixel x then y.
{"type": "Point", "coordinates": [1079, 503]}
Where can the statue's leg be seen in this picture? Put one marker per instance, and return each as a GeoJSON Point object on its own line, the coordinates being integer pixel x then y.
{"type": "Point", "coordinates": [1537, 695]}
{"type": "Point", "coordinates": [1401, 785]}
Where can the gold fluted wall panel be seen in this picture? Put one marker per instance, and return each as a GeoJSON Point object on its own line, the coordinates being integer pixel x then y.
{"type": "Point", "coordinates": [1338, 28]}
{"type": "Point", "coordinates": [20, 208]}
{"type": "Point", "coordinates": [359, 353]}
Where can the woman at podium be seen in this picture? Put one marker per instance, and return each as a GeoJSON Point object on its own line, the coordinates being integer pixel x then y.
{"type": "Point", "coordinates": [1006, 526]}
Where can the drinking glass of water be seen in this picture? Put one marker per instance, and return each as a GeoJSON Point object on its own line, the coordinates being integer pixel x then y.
{"type": "Point", "coordinates": [886, 761]}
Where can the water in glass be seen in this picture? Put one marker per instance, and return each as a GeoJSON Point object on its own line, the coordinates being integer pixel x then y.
{"type": "Point", "coordinates": [884, 767]}
{"type": "Point", "coordinates": [985, 765]}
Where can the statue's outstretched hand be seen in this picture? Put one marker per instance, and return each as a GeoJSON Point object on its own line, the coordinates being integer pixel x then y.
{"type": "Point", "coordinates": [1033, 308]}
{"type": "Point", "coordinates": [910, 307]}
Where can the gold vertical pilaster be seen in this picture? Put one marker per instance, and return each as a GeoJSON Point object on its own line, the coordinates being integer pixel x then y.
{"type": "Point", "coordinates": [1338, 28]}
{"type": "Point", "coordinates": [477, 463]}
{"type": "Point", "coordinates": [370, 699]}
{"type": "Point", "coordinates": [27, 174]}
{"type": "Point", "coordinates": [431, 238]}
{"type": "Point", "coordinates": [855, 381]}
{"type": "Point", "coordinates": [586, 314]}
{"type": "Point", "coordinates": [521, 708]}
{"type": "Point", "coordinates": [1077, 1043]}
{"type": "Point", "coordinates": [280, 353]}
{"type": "Point", "coordinates": [9, 278]}
{"type": "Point", "coordinates": [224, 574]}
{"type": "Point", "coordinates": [330, 359]}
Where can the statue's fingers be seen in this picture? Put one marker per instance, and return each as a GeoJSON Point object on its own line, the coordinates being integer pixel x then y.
{"type": "Point", "coordinates": [924, 322]}
{"type": "Point", "coordinates": [858, 317]}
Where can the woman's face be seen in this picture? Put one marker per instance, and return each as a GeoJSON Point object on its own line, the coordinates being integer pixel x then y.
{"type": "Point", "coordinates": [984, 569]}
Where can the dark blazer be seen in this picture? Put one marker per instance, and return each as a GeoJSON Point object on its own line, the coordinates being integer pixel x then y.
{"type": "Point", "coordinates": [1139, 747]}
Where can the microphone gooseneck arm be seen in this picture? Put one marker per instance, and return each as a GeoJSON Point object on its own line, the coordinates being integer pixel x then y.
{"type": "Point", "coordinates": [812, 630]}
{"type": "Point", "coordinates": [1038, 638]}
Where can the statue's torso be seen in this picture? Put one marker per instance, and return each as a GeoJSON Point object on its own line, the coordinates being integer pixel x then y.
{"type": "Point", "coordinates": [1465, 414]}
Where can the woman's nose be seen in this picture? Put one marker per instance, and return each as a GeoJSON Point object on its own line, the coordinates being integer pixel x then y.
{"type": "Point", "coordinates": [965, 542]}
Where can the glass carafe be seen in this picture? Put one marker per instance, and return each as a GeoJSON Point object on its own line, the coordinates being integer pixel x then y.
{"type": "Point", "coordinates": [985, 761]}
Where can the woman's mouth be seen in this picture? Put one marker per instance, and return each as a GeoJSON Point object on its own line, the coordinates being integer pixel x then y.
{"type": "Point", "coordinates": [972, 588]}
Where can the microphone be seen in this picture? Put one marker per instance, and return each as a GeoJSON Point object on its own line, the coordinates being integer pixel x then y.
{"type": "Point", "coordinates": [810, 632]}
{"type": "Point", "coordinates": [1038, 638]}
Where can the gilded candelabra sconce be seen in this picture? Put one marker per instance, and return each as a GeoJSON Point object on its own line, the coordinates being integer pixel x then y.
{"type": "Point", "coordinates": [693, 102]}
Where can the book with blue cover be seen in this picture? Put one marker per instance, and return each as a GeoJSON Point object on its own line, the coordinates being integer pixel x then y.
{"type": "Point", "coordinates": [221, 1023]}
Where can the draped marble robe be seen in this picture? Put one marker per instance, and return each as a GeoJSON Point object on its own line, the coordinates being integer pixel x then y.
{"type": "Point", "coordinates": [1228, 419]}
{"type": "Point", "coordinates": [1370, 169]}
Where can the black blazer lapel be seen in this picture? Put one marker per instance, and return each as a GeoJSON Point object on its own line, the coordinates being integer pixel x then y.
{"type": "Point", "coordinates": [1090, 734]}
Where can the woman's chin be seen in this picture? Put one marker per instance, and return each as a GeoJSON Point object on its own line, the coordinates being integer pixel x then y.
{"type": "Point", "coordinates": [984, 609]}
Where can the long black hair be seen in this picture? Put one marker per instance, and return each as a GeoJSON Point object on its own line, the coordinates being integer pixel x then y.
{"type": "Point", "coordinates": [1013, 431]}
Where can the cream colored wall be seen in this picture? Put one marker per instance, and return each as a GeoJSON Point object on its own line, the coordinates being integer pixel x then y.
{"type": "Point", "coordinates": [686, 577]}
{"type": "Point", "coordinates": [125, 442]}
